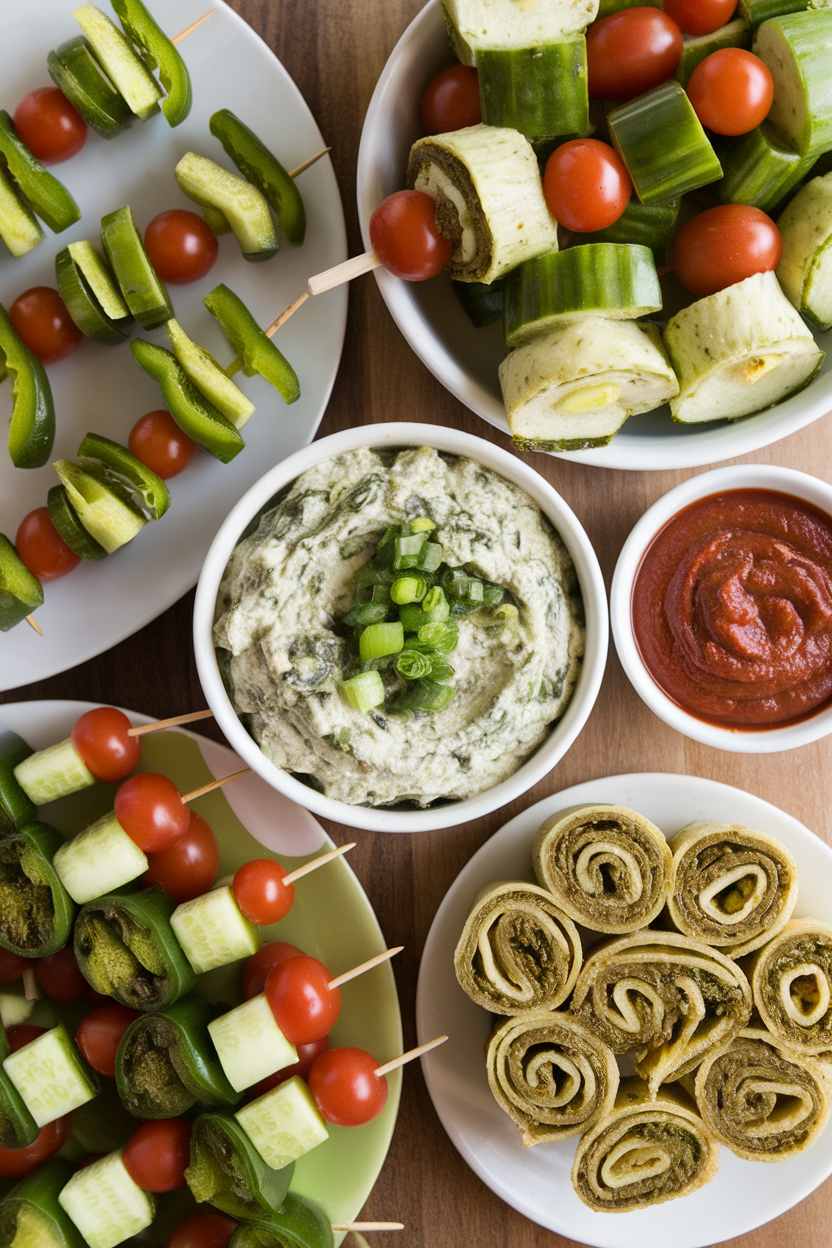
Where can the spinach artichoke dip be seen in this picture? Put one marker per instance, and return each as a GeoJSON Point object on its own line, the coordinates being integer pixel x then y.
{"type": "Point", "coordinates": [403, 627]}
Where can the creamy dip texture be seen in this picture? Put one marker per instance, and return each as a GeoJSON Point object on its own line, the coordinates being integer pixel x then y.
{"type": "Point", "coordinates": [281, 647]}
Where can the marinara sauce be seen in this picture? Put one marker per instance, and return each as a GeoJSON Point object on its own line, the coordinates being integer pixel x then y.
{"type": "Point", "coordinates": [732, 609]}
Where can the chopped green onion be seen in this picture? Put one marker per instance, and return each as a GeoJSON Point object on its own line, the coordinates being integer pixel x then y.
{"type": "Point", "coordinates": [371, 574]}
{"type": "Point", "coordinates": [442, 637]}
{"type": "Point", "coordinates": [408, 550]}
{"type": "Point", "coordinates": [422, 524]}
{"type": "Point", "coordinates": [340, 739]}
{"type": "Point", "coordinates": [431, 557]}
{"type": "Point", "coordinates": [435, 605]}
{"type": "Point", "coordinates": [412, 665]}
{"type": "Point", "coordinates": [380, 639]}
{"type": "Point", "coordinates": [408, 589]}
{"type": "Point", "coordinates": [507, 612]}
{"type": "Point", "coordinates": [424, 695]}
{"type": "Point", "coordinates": [364, 691]}
{"type": "Point", "coordinates": [493, 595]}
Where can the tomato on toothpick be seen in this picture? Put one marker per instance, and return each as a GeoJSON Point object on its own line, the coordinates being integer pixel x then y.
{"type": "Point", "coordinates": [258, 966]}
{"type": "Point", "coordinates": [304, 1006]}
{"type": "Point", "coordinates": [452, 100]}
{"type": "Point", "coordinates": [631, 52]}
{"type": "Point", "coordinates": [346, 1088]}
{"type": "Point", "coordinates": [181, 247]}
{"type": "Point", "coordinates": [159, 443]}
{"type": "Point", "coordinates": [59, 976]}
{"type": "Point", "coordinates": [103, 739]}
{"type": "Point", "coordinates": [260, 892]}
{"type": "Point", "coordinates": [42, 549]}
{"type": "Point", "coordinates": [189, 867]}
{"type": "Point", "coordinates": [725, 245]}
{"type": "Point", "coordinates": [50, 125]}
{"type": "Point", "coordinates": [202, 1230]}
{"type": "Point", "coordinates": [158, 1154]}
{"type": "Point", "coordinates": [731, 91]}
{"type": "Point", "coordinates": [101, 1032]}
{"type": "Point", "coordinates": [150, 809]}
{"type": "Point", "coordinates": [586, 185]}
{"type": "Point", "coordinates": [41, 320]}
{"type": "Point", "coordinates": [405, 238]}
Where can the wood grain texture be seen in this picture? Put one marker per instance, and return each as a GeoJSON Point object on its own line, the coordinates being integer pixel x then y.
{"type": "Point", "coordinates": [335, 52]}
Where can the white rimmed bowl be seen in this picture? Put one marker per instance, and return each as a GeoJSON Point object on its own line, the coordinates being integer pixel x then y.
{"type": "Point", "coordinates": [454, 442]}
{"type": "Point", "coordinates": [466, 359]}
{"type": "Point", "coordinates": [741, 477]}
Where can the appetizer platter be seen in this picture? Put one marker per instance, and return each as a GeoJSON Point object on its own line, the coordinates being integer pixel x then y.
{"type": "Point", "coordinates": [102, 389]}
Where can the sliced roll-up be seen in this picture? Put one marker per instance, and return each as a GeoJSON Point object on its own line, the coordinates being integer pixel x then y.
{"type": "Point", "coordinates": [645, 1152]}
{"type": "Point", "coordinates": [739, 351]}
{"type": "Point", "coordinates": [759, 1101]}
{"type": "Point", "coordinates": [792, 982]}
{"type": "Point", "coordinates": [477, 24]}
{"type": "Point", "coordinates": [671, 999]}
{"type": "Point", "coordinates": [489, 199]}
{"type": "Point", "coordinates": [608, 867]}
{"type": "Point", "coordinates": [518, 951]}
{"type": "Point", "coordinates": [732, 887]}
{"type": "Point", "coordinates": [551, 1075]}
{"type": "Point", "coordinates": [805, 268]}
{"type": "Point", "coordinates": [574, 386]}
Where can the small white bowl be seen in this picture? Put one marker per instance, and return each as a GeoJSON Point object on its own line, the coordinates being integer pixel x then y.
{"type": "Point", "coordinates": [453, 441]}
{"type": "Point", "coordinates": [740, 477]}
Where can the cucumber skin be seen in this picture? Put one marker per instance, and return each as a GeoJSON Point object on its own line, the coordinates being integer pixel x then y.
{"type": "Point", "coordinates": [45, 841]}
{"type": "Point", "coordinates": [16, 808]}
{"type": "Point", "coordinates": [808, 36]}
{"type": "Point", "coordinates": [65, 519]}
{"type": "Point", "coordinates": [74, 70]}
{"type": "Point", "coordinates": [662, 143]}
{"type": "Point", "coordinates": [266, 1187]}
{"type": "Point", "coordinates": [82, 305]}
{"type": "Point", "coordinates": [144, 291]}
{"type": "Point", "coordinates": [539, 91]}
{"type": "Point", "coordinates": [734, 34]}
{"type": "Point", "coordinates": [760, 169]}
{"type": "Point", "coordinates": [650, 225]}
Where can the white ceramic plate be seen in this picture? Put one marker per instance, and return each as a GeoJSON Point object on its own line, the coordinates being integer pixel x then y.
{"type": "Point", "coordinates": [331, 919]}
{"type": "Point", "coordinates": [536, 1181]}
{"type": "Point", "coordinates": [466, 359]}
{"type": "Point", "coordinates": [102, 388]}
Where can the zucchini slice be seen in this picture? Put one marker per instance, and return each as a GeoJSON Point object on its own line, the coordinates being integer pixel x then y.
{"type": "Point", "coordinates": [805, 268]}
{"type": "Point", "coordinates": [19, 227]}
{"type": "Point", "coordinates": [540, 91]}
{"type": "Point", "coordinates": [139, 88]}
{"type": "Point", "coordinates": [75, 70]}
{"type": "Point", "coordinates": [760, 168]}
{"type": "Point", "coordinates": [797, 49]}
{"type": "Point", "coordinates": [243, 205]}
{"type": "Point", "coordinates": [477, 24]}
{"type": "Point", "coordinates": [662, 143]}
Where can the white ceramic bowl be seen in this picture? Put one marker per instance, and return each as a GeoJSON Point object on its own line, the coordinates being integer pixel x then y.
{"type": "Point", "coordinates": [741, 477]}
{"type": "Point", "coordinates": [454, 442]}
{"type": "Point", "coordinates": [466, 359]}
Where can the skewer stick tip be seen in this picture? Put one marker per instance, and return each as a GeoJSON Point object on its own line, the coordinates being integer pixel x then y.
{"type": "Point", "coordinates": [31, 991]}
{"type": "Point", "coordinates": [190, 718]}
{"type": "Point", "coordinates": [343, 272]}
{"type": "Point", "coordinates": [32, 622]}
{"type": "Point", "coordinates": [408, 1057]}
{"type": "Point", "coordinates": [189, 30]}
{"type": "Point", "coordinates": [365, 966]}
{"type": "Point", "coordinates": [284, 316]}
{"type": "Point", "coordinates": [307, 164]}
{"type": "Point", "coordinates": [368, 1226]}
{"type": "Point", "coordinates": [215, 784]}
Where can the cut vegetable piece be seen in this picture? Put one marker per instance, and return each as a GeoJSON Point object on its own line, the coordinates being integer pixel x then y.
{"type": "Point", "coordinates": [50, 1075]}
{"type": "Point", "coordinates": [213, 931]}
{"type": "Point", "coordinates": [574, 387]}
{"type": "Point", "coordinates": [82, 305]}
{"type": "Point", "coordinates": [30, 1216]}
{"type": "Point", "coordinates": [489, 199]}
{"type": "Point", "coordinates": [243, 205]}
{"type": "Point", "coordinates": [477, 24]}
{"type": "Point", "coordinates": [75, 70]}
{"type": "Point", "coordinates": [158, 53]}
{"type": "Point", "coordinates": [227, 1170]}
{"type": "Point", "coordinates": [105, 517]}
{"type": "Point", "coordinates": [258, 353]}
{"type": "Point", "coordinates": [54, 772]}
{"type": "Point", "coordinates": [17, 1126]}
{"type": "Point", "coordinates": [735, 34]}
{"type": "Point", "coordinates": [606, 7]}
{"type": "Point", "coordinates": [209, 378]}
{"type": "Point", "coordinates": [195, 414]}
{"type": "Point", "coordinates": [20, 592]}
{"type": "Point", "coordinates": [249, 1043]}
{"type": "Point", "coordinates": [805, 268]}
{"type": "Point", "coordinates": [19, 228]}
{"type": "Point", "coordinates": [482, 303]}
{"type": "Point", "coordinates": [65, 519]}
{"type": "Point", "coordinates": [797, 49]}
{"type": "Point", "coordinates": [14, 1007]}
{"type": "Point", "coordinates": [47, 196]}
{"type": "Point", "coordinates": [216, 221]}
{"type": "Point", "coordinates": [99, 859]}
{"type": "Point", "coordinates": [105, 1204]}
{"type": "Point", "coordinates": [144, 291]}
{"type": "Point", "coordinates": [284, 1124]}
{"type": "Point", "coordinates": [540, 91]}
{"type": "Point", "coordinates": [298, 1223]}
{"type": "Point", "coordinates": [32, 427]}
{"type": "Point", "coordinates": [113, 465]}
{"type": "Point", "coordinates": [759, 168]}
{"type": "Point", "coordinates": [263, 170]}
{"type": "Point", "coordinates": [757, 11]}
{"type": "Point", "coordinates": [662, 143]}
{"type": "Point", "coordinates": [739, 351]}
{"type": "Point", "coordinates": [649, 225]}
{"type": "Point", "coordinates": [16, 807]}
{"type": "Point", "coordinates": [36, 912]}
{"type": "Point", "coordinates": [100, 279]}
{"type": "Point", "coordinates": [128, 72]}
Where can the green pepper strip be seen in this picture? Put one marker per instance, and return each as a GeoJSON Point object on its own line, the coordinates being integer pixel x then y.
{"type": "Point", "coordinates": [32, 428]}
{"type": "Point", "coordinates": [126, 949]}
{"type": "Point", "coordinates": [298, 1223]}
{"type": "Point", "coordinates": [17, 1126]}
{"type": "Point", "coordinates": [15, 807]}
{"type": "Point", "coordinates": [36, 911]}
{"type": "Point", "coordinates": [20, 592]}
{"type": "Point", "coordinates": [264, 170]}
{"type": "Point", "coordinates": [130, 479]}
{"type": "Point", "coordinates": [166, 1062]}
{"type": "Point", "coordinates": [227, 1170]}
{"type": "Point", "coordinates": [30, 1213]}
{"type": "Point", "coordinates": [49, 197]}
{"type": "Point", "coordinates": [159, 53]}
{"type": "Point", "coordinates": [258, 354]}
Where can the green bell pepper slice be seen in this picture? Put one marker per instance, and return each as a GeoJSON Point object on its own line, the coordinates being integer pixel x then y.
{"type": "Point", "coordinates": [227, 1170]}
{"type": "Point", "coordinates": [36, 911]}
{"type": "Point", "coordinates": [158, 53]}
{"type": "Point", "coordinates": [260, 166]}
{"type": "Point", "coordinates": [16, 808]}
{"type": "Point", "coordinates": [298, 1223]}
{"type": "Point", "coordinates": [126, 949]}
{"type": "Point", "coordinates": [49, 197]}
{"type": "Point", "coordinates": [31, 1215]}
{"type": "Point", "coordinates": [113, 464]}
{"type": "Point", "coordinates": [32, 428]}
{"type": "Point", "coordinates": [166, 1062]}
{"type": "Point", "coordinates": [257, 352]}
{"type": "Point", "coordinates": [17, 1126]}
{"type": "Point", "coordinates": [20, 592]}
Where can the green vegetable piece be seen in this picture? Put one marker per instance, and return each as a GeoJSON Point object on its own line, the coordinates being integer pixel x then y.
{"type": "Point", "coordinates": [100, 279]}
{"type": "Point", "coordinates": [20, 592]}
{"type": "Point", "coordinates": [227, 1170]}
{"type": "Point", "coordinates": [128, 72]}
{"type": "Point", "coordinates": [735, 34]}
{"type": "Point", "coordinates": [540, 91]}
{"type": "Point", "coordinates": [36, 912]}
{"type": "Point", "coordinates": [209, 378]}
{"type": "Point", "coordinates": [408, 589]}
{"type": "Point", "coordinates": [144, 292]}
{"type": "Point", "coordinates": [298, 1223]}
{"type": "Point", "coordinates": [49, 197]}
{"type": "Point", "coordinates": [662, 143]}
{"type": "Point", "coordinates": [75, 70]}
{"type": "Point", "coordinates": [194, 413]}
{"type": "Point", "coordinates": [377, 640]}
{"type": "Point", "coordinates": [606, 7]}
{"type": "Point", "coordinates": [65, 519]}
{"type": "Point", "coordinates": [107, 518]}
{"type": "Point", "coordinates": [264, 170]}
{"type": "Point", "coordinates": [759, 168]}
{"type": "Point", "coordinates": [482, 302]}
{"type": "Point", "coordinates": [364, 691]}
{"type": "Point", "coordinates": [51, 1076]}
{"type": "Point", "coordinates": [757, 11]}
{"type": "Point", "coordinates": [106, 1204]}
{"type": "Point", "coordinates": [796, 48]}
{"type": "Point", "coordinates": [423, 695]}
{"type": "Point", "coordinates": [82, 305]}
{"type": "Point", "coordinates": [30, 1215]}
{"type": "Point", "coordinates": [17, 1126]}
{"type": "Point", "coordinates": [159, 53]}
{"type": "Point", "coordinates": [32, 428]}
{"type": "Point", "coordinates": [244, 206]}
{"type": "Point", "coordinates": [133, 481]}
{"type": "Point", "coordinates": [649, 225]}
{"type": "Point", "coordinates": [16, 808]}
{"type": "Point", "coordinates": [259, 354]}
{"type": "Point", "coordinates": [216, 220]}
{"type": "Point", "coordinates": [126, 949]}
{"type": "Point", "coordinates": [412, 664]}
{"type": "Point", "coordinates": [19, 227]}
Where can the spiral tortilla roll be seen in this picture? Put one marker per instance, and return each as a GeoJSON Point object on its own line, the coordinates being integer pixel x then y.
{"type": "Point", "coordinates": [672, 999]}
{"type": "Point", "coordinates": [608, 867]}
{"type": "Point", "coordinates": [731, 886]}
{"type": "Point", "coordinates": [644, 1152]}
{"type": "Point", "coordinates": [760, 1101]}
{"type": "Point", "coordinates": [792, 982]}
{"type": "Point", "coordinates": [518, 951]}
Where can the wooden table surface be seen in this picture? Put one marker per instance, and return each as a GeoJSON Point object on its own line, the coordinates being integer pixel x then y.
{"type": "Point", "coordinates": [335, 50]}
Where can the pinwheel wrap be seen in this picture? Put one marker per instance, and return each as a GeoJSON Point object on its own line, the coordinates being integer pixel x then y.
{"type": "Point", "coordinates": [792, 982]}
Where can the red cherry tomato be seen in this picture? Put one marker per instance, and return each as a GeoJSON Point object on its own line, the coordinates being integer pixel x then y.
{"type": "Point", "coordinates": [102, 738]}
{"type": "Point", "coordinates": [41, 547]}
{"type": "Point", "coordinates": [22, 1033]}
{"type": "Point", "coordinates": [724, 245]}
{"type": "Point", "coordinates": [59, 976]}
{"type": "Point", "coordinates": [731, 91]}
{"type": "Point", "coordinates": [15, 1163]}
{"type": "Point", "coordinates": [346, 1088]}
{"type": "Point", "coordinates": [586, 185]}
{"type": "Point", "coordinates": [631, 52]}
{"type": "Point", "coordinates": [307, 1053]}
{"type": "Point", "coordinates": [700, 17]}
{"type": "Point", "coordinates": [189, 867]}
{"type": "Point", "coordinates": [40, 318]}
{"type": "Point", "coordinates": [158, 442]}
{"type": "Point", "coordinates": [12, 966]}
{"type": "Point", "coordinates": [202, 1230]}
{"type": "Point", "coordinates": [158, 1154]}
{"type": "Point", "coordinates": [182, 248]}
{"type": "Point", "coordinates": [405, 238]}
{"type": "Point", "coordinates": [452, 100]}
{"type": "Point", "coordinates": [150, 809]}
{"type": "Point", "coordinates": [101, 1032]}
{"type": "Point", "coordinates": [304, 1006]}
{"type": "Point", "coordinates": [256, 970]}
{"type": "Point", "coordinates": [49, 125]}
{"type": "Point", "coordinates": [260, 893]}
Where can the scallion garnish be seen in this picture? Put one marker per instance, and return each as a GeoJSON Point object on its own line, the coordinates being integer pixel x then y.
{"type": "Point", "coordinates": [412, 665]}
{"type": "Point", "coordinates": [379, 639]}
{"type": "Point", "coordinates": [408, 589]}
{"type": "Point", "coordinates": [364, 691]}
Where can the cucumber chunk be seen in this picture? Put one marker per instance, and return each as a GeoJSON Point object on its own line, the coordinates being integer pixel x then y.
{"type": "Point", "coordinates": [19, 227]}
{"type": "Point", "coordinates": [213, 931]}
{"type": "Point", "coordinates": [540, 91]}
{"type": "Point", "coordinates": [106, 1204]}
{"type": "Point", "coordinates": [98, 860]}
{"type": "Point", "coordinates": [54, 772]}
{"type": "Point", "coordinates": [16, 808]}
{"type": "Point", "coordinates": [65, 519]}
{"type": "Point", "coordinates": [760, 168]}
{"type": "Point", "coordinates": [805, 268]}
{"type": "Point", "coordinates": [209, 378]}
{"type": "Point", "coordinates": [49, 1074]}
{"type": "Point", "coordinates": [75, 70]}
{"type": "Point", "coordinates": [144, 291]}
{"type": "Point", "coordinates": [477, 24]}
{"type": "Point", "coordinates": [735, 34]}
{"type": "Point", "coordinates": [797, 49]}
{"type": "Point", "coordinates": [111, 522]}
{"type": "Point", "coordinates": [227, 1170]}
{"type": "Point", "coordinates": [284, 1124]}
{"type": "Point", "coordinates": [249, 1043]}
{"type": "Point", "coordinates": [14, 1008]}
{"type": "Point", "coordinates": [140, 90]}
{"type": "Point", "coordinates": [100, 279]}
{"type": "Point", "coordinates": [662, 143]}
{"type": "Point", "coordinates": [81, 303]}
{"type": "Point", "coordinates": [243, 205]}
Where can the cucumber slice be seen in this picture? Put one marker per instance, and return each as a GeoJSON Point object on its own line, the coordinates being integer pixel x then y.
{"type": "Point", "coordinates": [606, 7]}
{"type": "Point", "coordinates": [477, 24]}
{"type": "Point", "coordinates": [735, 34]}
{"type": "Point", "coordinates": [19, 227]}
{"type": "Point", "coordinates": [50, 1075]}
{"type": "Point", "coordinates": [54, 772]}
{"type": "Point", "coordinates": [105, 517]}
{"type": "Point", "coordinates": [662, 143]}
{"type": "Point", "coordinates": [99, 860]}
{"type": "Point", "coordinates": [47, 196]}
{"type": "Point", "coordinates": [249, 1043]}
{"type": "Point", "coordinates": [14, 1008]}
{"type": "Point", "coordinates": [82, 305]}
{"type": "Point", "coordinates": [805, 268]}
{"type": "Point", "coordinates": [99, 278]}
{"type": "Point", "coordinates": [209, 378]}
{"type": "Point", "coordinates": [112, 464]}
{"type": "Point", "coordinates": [284, 1124]}
{"type": "Point", "coordinates": [243, 205]}
{"type": "Point", "coordinates": [36, 912]}
{"type": "Point", "coordinates": [757, 11]}
{"type": "Point", "coordinates": [213, 931]}
{"type": "Point", "coordinates": [797, 49]}
{"type": "Point", "coordinates": [63, 516]}
{"type": "Point", "coordinates": [30, 1216]}
{"type": "Point", "coordinates": [16, 807]}
{"type": "Point", "coordinates": [650, 225]}
{"type": "Point", "coordinates": [144, 292]}
{"type": "Point", "coordinates": [20, 592]}
{"type": "Point", "coordinates": [139, 89]}
{"type": "Point", "coordinates": [75, 70]}
{"type": "Point", "coordinates": [759, 168]}
{"type": "Point", "coordinates": [540, 91]}
{"type": "Point", "coordinates": [106, 1204]}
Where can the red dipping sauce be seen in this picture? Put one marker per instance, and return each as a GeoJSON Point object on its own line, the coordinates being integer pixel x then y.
{"type": "Point", "coordinates": [732, 609]}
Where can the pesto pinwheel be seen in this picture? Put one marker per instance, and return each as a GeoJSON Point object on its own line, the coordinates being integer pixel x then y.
{"type": "Point", "coordinates": [792, 982]}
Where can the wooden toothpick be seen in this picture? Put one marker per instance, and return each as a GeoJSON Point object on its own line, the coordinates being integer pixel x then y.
{"type": "Point", "coordinates": [31, 991]}
{"type": "Point", "coordinates": [316, 862]}
{"type": "Point", "coordinates": [32, 622]}
{"type": "Point", "coordinates": [408, 1057]}
{"type": "Point", "coordinates": [169, 723]}
{"type": "Point", "coordinates": [215, 784]}
{"type": "Point", "coordinates": [368, 1226]}
{"type": "Point", "coordinates": [343, 272]}
{"type": "Point", "coordinates": [365, 966]}
{"type": "Point", "coordinates": [189, 30]}
{"type": "Point", "coordinates": [307, 164]}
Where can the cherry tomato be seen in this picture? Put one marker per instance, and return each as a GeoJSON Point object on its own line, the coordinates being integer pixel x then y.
{"type": "Point", "coordinates": [102, 738]}
{"type": "Point", "coordinates": [150, 809]}
{"type": "Point", "coordinates": [724, 245]}
{"type": "Point", "coordinates": [346, 1088]}
{"type": "Point", "coordinates": [452, 100]}
{"type": "Point", "coordinates": [22, 1033]}
{"type": "Point", "coordinates": [41, 547]}
{"type": "Point", "coordinates": [260, 893]}
{"type": "Point", "coordinates": [182, 248]}
{"type": "Point", "coordinates": [304, 1006]}
{"type": "Point", "coordinates": [256, 970]}
{"type": "Point", "coordinates": [12, 966]}
{"type": "Point", "coordinates": [202, 1230]}
{"type": "Point", "coordinates": [59, 976]}
{"type": "Point", "coordinates": [49, 125]}
{"type": "Point", "coordinates": [731, 91]}
{"type": "Point", "coordinates": [189, 867]}
{"type": "Point", "coordinates": [40, 318]}
{"type": "Point", "coordinates": [586, 185]}
{"type": "Point", "coordinates": [700, 17]}
{"type": "Point", "coordinates": [405, 238]}
{"type": "Point", "coordinates": [631, 52]}
{"type": "Point", "coordinates": [15, 1163]}
{"type": "Point", "coordinates": [101, 1032]}
{"type": "Point", "coordinates": [158, 1154]}
{"type": "Point", "coordinates": [158, 442]}
{"type": "Point", "coordinates": [307, 1053]}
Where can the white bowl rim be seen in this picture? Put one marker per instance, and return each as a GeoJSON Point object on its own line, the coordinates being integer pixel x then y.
{"type": "Point", "coordinates": [453, 441]}
{"type": "Point", "coordinates": [735, 477]}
